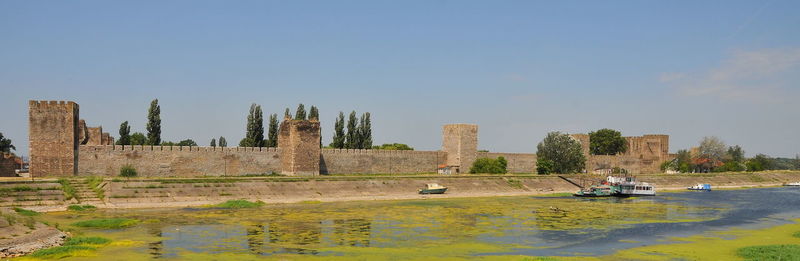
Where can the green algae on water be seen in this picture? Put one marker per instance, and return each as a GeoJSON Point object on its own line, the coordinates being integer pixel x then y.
{"type": "Point", "coordinates": [108, 223]}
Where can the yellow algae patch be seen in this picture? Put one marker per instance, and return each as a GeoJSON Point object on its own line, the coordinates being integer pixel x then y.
{"type": "Point", "coordinates": [719, 246]}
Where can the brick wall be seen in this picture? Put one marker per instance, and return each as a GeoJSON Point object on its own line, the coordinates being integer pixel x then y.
{"type": "Point", "coordinates": [177, 161]}
{"type": "Point", "coordinates": [8, 165]}
{"type": "Point", "coordinates": [299, 142]}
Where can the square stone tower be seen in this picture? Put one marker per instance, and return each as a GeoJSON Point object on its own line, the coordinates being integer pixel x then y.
{"type": "Point", "coordinates": [298, 142]}
{"type": "Point", "coordinates": [53, 134]}
{"type": "Point", "coordinates": [460, 141]}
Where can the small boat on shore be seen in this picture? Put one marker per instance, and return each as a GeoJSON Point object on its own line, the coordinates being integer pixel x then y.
{"type": "Point", "coordinates": [706, 187]}
{"type": "Point", "coordinates": [792, 184]}
{"type": "Point", "coordinates": [596, 191]}
{"type": "Point", "coordinates": [433, 188]}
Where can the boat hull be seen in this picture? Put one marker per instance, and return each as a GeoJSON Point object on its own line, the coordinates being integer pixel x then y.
{"type": "Point", "coordinates": [433, 191]}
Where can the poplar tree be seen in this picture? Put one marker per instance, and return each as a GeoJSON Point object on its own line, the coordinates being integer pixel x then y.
{"type": "Point", "coordinates": [272, 135]}
{"type": "Point", "coordinates": [154, 123]}
{"type": "Point", "coordinates": [365, 134]}
{"type": "Point", "coordinates": [287, 114]}
{"type": "Point", "coordinates": [213, 142]}
{"type": "Point", "coordinates": [124, 134]}
{"type": "Point", "coordinates": [338, 132]}
{"type": "Point", "coordinates": [301, 112]}
{"type": "Point", "coordinates": [313, 114]}
{"type": "Point", "coordinates": [222, 142]}
{"type": "Point", "coordinates": [352, 140]}
{"type": "Point", "coordinates": [255, 127]}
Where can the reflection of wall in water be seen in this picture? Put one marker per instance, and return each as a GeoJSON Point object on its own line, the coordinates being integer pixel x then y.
{"type": "Point", "coordinates": [255, 238]}
{"type": "Point", "coordinates": [292, 235]}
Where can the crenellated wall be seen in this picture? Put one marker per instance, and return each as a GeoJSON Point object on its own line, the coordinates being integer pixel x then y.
{"type": "Point", "coordinates": [341, 161]}
{"type": "Point", "coordinates": [177, 161]}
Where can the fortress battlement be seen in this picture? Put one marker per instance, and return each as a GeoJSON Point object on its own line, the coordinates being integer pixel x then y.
{"type": "Point", "coordinates": [100, 148]}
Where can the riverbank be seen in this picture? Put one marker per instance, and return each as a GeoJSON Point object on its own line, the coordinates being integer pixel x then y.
{"type": "Point", "coordinates": [155, 193]}
{"type": "Point", "coordinates": [21, 234]}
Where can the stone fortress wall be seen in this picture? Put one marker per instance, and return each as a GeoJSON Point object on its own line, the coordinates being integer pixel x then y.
{"type": "Point", "coordinates": [62, 145]}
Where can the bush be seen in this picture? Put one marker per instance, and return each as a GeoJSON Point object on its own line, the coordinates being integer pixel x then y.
{"type": "Point", "coordinates": [491, 166]}
{"type": "Point", "coordinates": [239, 203]}
{"type": "Point", "coordinates": [69, 191]}
{"type": "Point", "coordinates": [543, 166]}
{"type": "Point", "coordinates": [127, 171]}
{"type": "Point", "coordinates": [107, 223]}
{"type": "Point", "coordinates": [25, 212]}
{"type": "Point", "coordinates": [81, 207]}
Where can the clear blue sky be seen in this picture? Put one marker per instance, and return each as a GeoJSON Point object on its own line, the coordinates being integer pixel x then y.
{"type": "Point", "coordinates": [517, 68]}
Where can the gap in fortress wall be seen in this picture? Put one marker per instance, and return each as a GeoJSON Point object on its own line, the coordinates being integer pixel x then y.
{"type": "Point", "coordinates": [62, 145]}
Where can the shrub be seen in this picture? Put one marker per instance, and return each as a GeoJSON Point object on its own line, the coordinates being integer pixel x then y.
{"type": "Point", "coordinates": [239, 203]}
{"type": "Point", "coordinates": [81, 207]}
{"type": "Point", "coordinates": [26, 212]}
{"type": "Point", "coordinates": [487, 165]}
{"type": "Point", "coordinates": [544, 166]}
{"type": "Point", "coordinates": [108, 223]}
{"type": "Point", "coordinates": [69, 191]}
{"type": "Point", "coordinates": [127, 171]}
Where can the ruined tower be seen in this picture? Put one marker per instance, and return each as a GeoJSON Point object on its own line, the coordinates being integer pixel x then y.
{"type": "Point", "coordinates": [53, 133]}
{"type": "Point", "coordinates": [298, 142]}
{"type": "Point", "coordinates": [460, 141]}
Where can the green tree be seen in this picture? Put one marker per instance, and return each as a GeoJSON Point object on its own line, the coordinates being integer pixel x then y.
{"type": "Point", "coordinates": [255, 128]}
{"type": "Point", "coordinates": [352, 140]}
{"type": "Point", "coordinates": [607, 142]}
{"type": "Point", "coordinates": [338, 133]}
{"type": "Point", "coordinates": [313, 114]}
{"type": "Point", "coordinates": [544, 166]}
{"type": "Point", "coordinates": [758, 163]}
{"type": "Point", "coordinates": [272, 140]}
{"type": "Point", "coordinates": [5, 144]}
{"type": "Point", "coordinates": [563, 151]}
{"type": "Point", "coordinates": [213, 142]}
{"type": "Point", "coordinates": [124, 134]}
{"type": "Point", "coordinates": [154, 123]}
{"type": "Point", "coordinates": [490, 166]}
{"type": "Point", "coordinates": [365, 132]}
{"type": "Point", "coordinates": [301, 112]}
{"type": "Point", "coordinates": [138, 138]}
{"type": "Point", "coordinates": [187, 142]}
{"type": "Point", "coordinates": [393, 146]}
{"type": "Point", "coordinates": [735, 154]}
{"type": "Point", "coordinates": [222, 142]}
{"type": "Point", "coordinates": [287, 114]}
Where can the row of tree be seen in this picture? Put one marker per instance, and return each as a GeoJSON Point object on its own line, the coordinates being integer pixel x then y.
{"type": "Point", "coordinates": [713, 155]}
{"type": "Point", "coordinates": [254, 135]}
{"type": "Point", "coordinates": [359, 132]}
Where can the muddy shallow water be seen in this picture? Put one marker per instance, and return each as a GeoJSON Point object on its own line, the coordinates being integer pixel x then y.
{"type": "Point", "coordinates": [487, 228]}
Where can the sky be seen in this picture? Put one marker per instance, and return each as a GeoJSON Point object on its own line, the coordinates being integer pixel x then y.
{"type": "Point", "coordinates": [518, 69]}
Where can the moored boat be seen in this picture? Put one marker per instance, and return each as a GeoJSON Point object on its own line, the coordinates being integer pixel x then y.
{"type": "Point", "coordinates": [706, 187]}
{"type": "Point", "coordinates": [596, 191]}
{"type": "Point", "coordinates": [628, 186]}
{"type": "Point", "coordinates": [792, 184]}
{"type": "Point", "coordinates": [433, 188]}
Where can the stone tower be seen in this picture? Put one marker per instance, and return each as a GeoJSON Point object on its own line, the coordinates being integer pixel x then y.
{"type": "Point", "coordinates": [460, 141]}
{"type": "Point", "coordinates": [298, 142]}
{"type": "Point", "coordinates": [53, 133]}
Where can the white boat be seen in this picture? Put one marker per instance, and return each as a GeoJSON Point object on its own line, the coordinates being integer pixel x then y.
{"type": "Point", "coordinates": [700, 187]}
{"type": "Point", "coordinates": [792, 184]}
{"type": "Point", "coordinates": [628, 186]}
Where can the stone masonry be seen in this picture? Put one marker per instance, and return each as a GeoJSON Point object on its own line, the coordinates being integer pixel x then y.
{"type": "Point", "coordinates": [298, 141]}
{"type": "Point", "coordinates": [53, 134]}
{"type": "Point", "coordinates": [460, 141]}
{"type": "Point", "coordinates": [61, 144]}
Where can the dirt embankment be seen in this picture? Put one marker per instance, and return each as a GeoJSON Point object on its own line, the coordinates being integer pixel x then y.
{"type": "Point", "coordinates": [20, 235]}
{"type": "Point", "coordinates": [145, 193]}
{"type": "Point", "coordinates": [178, 193]}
